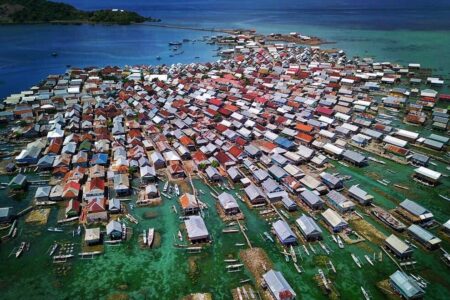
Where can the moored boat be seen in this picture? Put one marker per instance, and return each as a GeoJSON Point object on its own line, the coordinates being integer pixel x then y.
{"type": "Point", "coordinates": [388, 219]}
{"type": "Point", "coordinates": [150, 236]}
{"type": "Point", "coordinates": [21, 249]}
{"type": "Point", "coordinates": [55, 229]}
{"type": "Point", "coordinates": [53, 249]}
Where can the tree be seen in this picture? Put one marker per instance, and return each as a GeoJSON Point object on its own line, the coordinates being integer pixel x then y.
{"type": "Point", "coordinates": [215, 164]}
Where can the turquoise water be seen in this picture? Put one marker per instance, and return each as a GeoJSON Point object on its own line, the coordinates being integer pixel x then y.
{"type": "Point", "coordinates": [165, 272]}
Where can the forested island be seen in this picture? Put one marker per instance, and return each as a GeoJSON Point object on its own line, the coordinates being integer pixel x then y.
{"type": "Point", "coordinates": [43, 11]}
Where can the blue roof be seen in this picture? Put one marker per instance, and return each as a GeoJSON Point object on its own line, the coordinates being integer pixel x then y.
{"type": "Point", "coordinates": [284, 142]}
{"type": "Point", "coordinates": [99, 158]}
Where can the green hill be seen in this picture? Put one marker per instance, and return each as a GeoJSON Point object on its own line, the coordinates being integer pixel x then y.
{"type": "Point", "coordinates": [43, 11]}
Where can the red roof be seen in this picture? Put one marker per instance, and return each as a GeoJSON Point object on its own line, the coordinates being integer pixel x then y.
{"type": "Point", "coordinates": [222, 157]}
{"type": "Point", "coordinates": [304, 127]}
{"type": "Point", "coordinates": [221, 127]}
{"type": "Point", "coordinates": [240, 141]}
{"type": "Point", "coordinates": [235, 151]}
{"type": "Point", "coordinates": [215, 101]}
{"type": "Point", "coordinates": [324, 111]}
{"type": "Point", "coordinates": [304, 137]}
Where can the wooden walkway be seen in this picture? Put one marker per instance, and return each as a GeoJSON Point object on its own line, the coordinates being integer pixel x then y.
{"type": "Point", "coordinates": [245, 235]}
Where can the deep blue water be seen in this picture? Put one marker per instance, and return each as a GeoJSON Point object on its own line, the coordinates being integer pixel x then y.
{"type": "Point", "coordinates": [401, 31]}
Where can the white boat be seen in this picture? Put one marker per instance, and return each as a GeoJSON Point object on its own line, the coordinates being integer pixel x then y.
{"type": "Point", "coordinates": [201, 191]}
{"type": "Point", "coordinates": [150, 236]}
{"type": "Point", "coordinates": [177, 190]}
{"type": "Point", "coordinates": [340, 243]}
{"type": "Point", "coordinates": [368, 259]}
{"type": "Point", "coordinates": [54, 247]}
{"type": "Point", "coordinates": [356, 260]}
{"type": "Point", "coordinates": [286, 256]}
{"type": "Point", "coordinates": [79, 230]}
{"type": "Point", "coordinates": [334, 238]}
{"type": "Point", "coordinates": [267, 235]}
{"type": "Point", "coordinates": [312, 248]}
{"type": "Point", "coordinates": [306, 250]}
{"type": "Point", "coordinates": [55, 229]}
{"type": "Point", "coordinates": [20, 250]}
{"type": "Point", "coordinates": [14, 233]}
{"type": "Point", "coordinates": [298, 268]}
{"type": "Point", "coordinates": [166, 186]}
{"type": "Point", "coordinates": [293, 255]}
{"type": "Point", "coordinates": [144, 237]}
{"type": "Point", "coordinates": [180, 236]}
{"type": "Point", "coordinates": [324, 248]}
{"type": "Point", "coordinates": [332, 266]}
{"type": "Point", "coordinates": [365, 294]}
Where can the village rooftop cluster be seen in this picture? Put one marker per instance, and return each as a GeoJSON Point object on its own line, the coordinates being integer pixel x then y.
{"type": "Point", "coordinates": [269, 118]}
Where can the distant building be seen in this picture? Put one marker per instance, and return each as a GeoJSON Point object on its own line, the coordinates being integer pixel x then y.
{"type": "Point", "coordinates": [360, 195]}
{"type": "Point", "coordinates": [92, 236]}
{"type": "Point", "coordinates": [278, 286]}
{"type": "Point", "coordinates": [196, 229]}
{"type": "Point", "coordinates": [406, 286]}
{"type": "Point", "coordinates": [228, 204]}
{"type": "Point", "coordinates": [398, 247]}
{"type": "Point", "coordinates": [424, 237]}
{"type": "Point", "coordinates": [334, 220]}
{"type": "Point", "coordinates": [189, 204]}
{"type": "Point", "coordinates": [414, 212]}
{"type": "Point", "coordinates": [284, 233]}
{"type": "Point", "coordinates": [309, 228]}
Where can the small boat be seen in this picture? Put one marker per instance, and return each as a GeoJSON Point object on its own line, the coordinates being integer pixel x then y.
{"type": "Point", "coordinates": [144, 237]}
{"type": "Point", "coordinates": [239, 244]}
{"type": "Point", "coordinates": [312, 248]}
{"type": "Point", "coordinates": [267, 235]}
{"type": "Point", "coordinates": [332, 266]}
{"type": "Point", "coordinates": [20, 250]}
{"type": "Point", "coordinates": [55, 229]}
{"type": "Point", "coordinates": [14, 233]}
{"type": "Point", "coordinates": [324, 248]}
{"type": "Point", "coordinates": [158, 57]}
{"type": "Point", "coordinates": [174, 44]}
{"type": "Point", "coordinates": [180, 236]}
{"type": "Point", "coordinates": [230, 260]}
{"type": "Point", "coordinates": [150, 236]}
{"type": "Point", "coordinates": [285, 214]}
{"type": "Point", "coordinates": [131, 218]}
{"type": "Point", "coordinates": [54, 54]}
{"type": "Point", "coordinates": [293, 255]}
{"type": "Point", "coordinates": [334, 238]}
{"type": "Point", "coordinates": [306, 250]}
{"type": "Point", "coordinates": [177, 190]}
{"type": "Point", "coordinates": [298, 268]}
{"type": "Point", "coordinates": [340, 243]}
{"type": "Point", "coordinates": [444, 197]}
{"type": "Point", "coordinates": [79, 230]}
{"type": "Point", "coordinates": [286, 256]}
{"type": "Point", "coordinates": [53, 249]}
{"type": "Point", "coordinates": [201, 191]}
{"type": "Point", "coordinates": [368, 259]}
{"type": "Point", "coordinates": [356, 260]}
{"type": "Point", "coordinates": [166, 186]}
{"type": "Point", "coordinates": [365, 294]}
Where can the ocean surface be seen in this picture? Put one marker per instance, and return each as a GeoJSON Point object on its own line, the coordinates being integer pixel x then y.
{"type": "Point", "coordinates": [403, 32]}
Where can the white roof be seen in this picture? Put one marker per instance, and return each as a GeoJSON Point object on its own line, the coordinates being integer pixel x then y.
{"type": "Point", "coordinates": [428, 173]}
{"type": "Point", "coordinates": [395, 141]}
{"type": "Point", "coordinates": [333, 218]}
